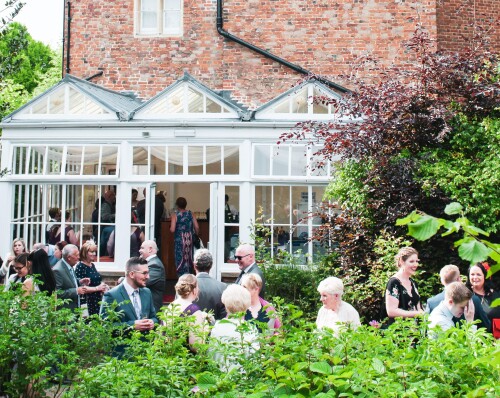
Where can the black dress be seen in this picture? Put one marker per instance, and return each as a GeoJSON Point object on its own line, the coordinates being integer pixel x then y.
{"type": "Point", "coordinates": [92, 299]}
{"type": "Point", "coordinates": [407, 301]}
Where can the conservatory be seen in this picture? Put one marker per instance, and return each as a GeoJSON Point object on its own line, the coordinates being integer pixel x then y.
{"type": "Point", "coordinates": [70, 145]}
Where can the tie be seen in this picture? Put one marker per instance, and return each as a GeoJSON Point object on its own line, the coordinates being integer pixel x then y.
{"type": "Point", "coordinates": [239, 277]}
{"type": "Point", "coordinates": [135, 302]}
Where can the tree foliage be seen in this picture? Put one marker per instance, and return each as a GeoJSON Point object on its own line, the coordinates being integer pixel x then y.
{"type": "Point", "coordinates": [27, 67]}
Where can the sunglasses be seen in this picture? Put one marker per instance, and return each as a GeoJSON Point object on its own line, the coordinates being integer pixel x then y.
{"type": "Point", "coordinates": [241, 257]}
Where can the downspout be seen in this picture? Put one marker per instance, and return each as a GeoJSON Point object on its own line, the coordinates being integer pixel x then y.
{"type": "Point", "coordinates": [68, 32]}
{"type": "Point", "coordinates": [267, 54]}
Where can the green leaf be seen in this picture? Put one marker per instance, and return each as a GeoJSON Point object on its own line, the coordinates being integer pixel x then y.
{"type": "Point", "coordinates": [321, 367]}
{"type": "Point", "coordinates": [475, 231]}
{"type": "Point", "coordinates": [206, 381]}
{"type": "Point", "coordinates": [495, 303]}
{"type": "Point", "coordinates": [424, 228]}
{"type": "Point", "coordinates": [493, 269]}
{"type": "Point", "coordinates": [412, 217]}
{"type": "Point", "coordinates": [473, 251]}
{"type": "Point", "coordinates": [453, 208]}
{"type": "Point", "coordinates": [451, 227]}
{"type": "Point", "coordinates": [378, 365]}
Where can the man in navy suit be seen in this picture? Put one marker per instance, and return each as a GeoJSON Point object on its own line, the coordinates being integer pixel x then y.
{"type": "Point", "coordinates": [134, 300]}
{"type": "Point", "coordinates": [245, 257]}
{"type": "Point", "coordinates": [449, 274]}
{"type": "Point", "coordinates": [209, 289]}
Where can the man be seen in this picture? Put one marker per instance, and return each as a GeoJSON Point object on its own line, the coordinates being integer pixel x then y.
{"type": "Point", "coordinates": [135, 305]}
{"type": "Point", "coordinates": [448, 274]}
{"type": "Point", "coordinates": [107, 216]}
{"type": "Point", "coordinates": [245, 257]}
{"type": "Point", "coordinates": [159, 210]}
{"type": "Point", "coordinates": [68, 286]}
{"type": "Point", "coordinates": [210, 289]}
{"type": "Point", "coordinates": [50, 250]}
{"type": "Point", "coordinates": [457, 302]}
{"type": "Point", "coordinates": [55, 219]}
{"type": "Point", "coordinates": [156, 281]}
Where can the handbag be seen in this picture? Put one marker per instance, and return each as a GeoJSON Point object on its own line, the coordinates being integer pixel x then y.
{"type": "Point", "coordinates": [197, 243]}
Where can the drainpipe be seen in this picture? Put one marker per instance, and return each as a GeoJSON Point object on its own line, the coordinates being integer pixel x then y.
{"type": "Point", "coordinates": [267, 54]}
{"type": "Point", "coordinates": [68, 32]}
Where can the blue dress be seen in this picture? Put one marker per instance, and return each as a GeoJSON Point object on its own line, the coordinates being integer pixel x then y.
{"type": "Point", "coordinates": [93, 300]}
{"type": "Point", "coordinates": [183, 242]}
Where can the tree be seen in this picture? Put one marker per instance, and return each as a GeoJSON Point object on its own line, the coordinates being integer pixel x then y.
{"type": "Point", "coordinates": [397, 152]}
{"type": "Point", "coordinates": [26, 66]}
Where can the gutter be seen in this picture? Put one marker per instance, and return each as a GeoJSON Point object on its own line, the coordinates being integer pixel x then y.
{"type": "Point", "coordinates": [267, 54]}
{"type": "Point", "coordinates": [68, 33]}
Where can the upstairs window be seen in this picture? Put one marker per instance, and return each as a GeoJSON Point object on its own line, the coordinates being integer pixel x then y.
{"type": "Point", "coordinates": [159, 17]}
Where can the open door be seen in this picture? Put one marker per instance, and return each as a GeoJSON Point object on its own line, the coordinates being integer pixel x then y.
{"type": "Point", "coordinates": [213, 225]}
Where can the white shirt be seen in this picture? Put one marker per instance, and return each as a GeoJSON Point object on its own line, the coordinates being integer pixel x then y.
{"type": "Point", "coordinates": [442, 316]}
{"type": "Point", "coordinates": [345, 316]}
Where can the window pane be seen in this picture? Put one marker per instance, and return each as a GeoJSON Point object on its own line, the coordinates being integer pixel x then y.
{"type": "Point", "coordinates": [36, 160]}
{"type": "Point", "coordinates": [284, 107]}
{"type": "Point", "coordinates": [318, 107]}
{"type": "Point", "coordinates": [231, 160]}
{"type": "Point", "coordinates": [140, 166]}
{"type": "Point", "coordinates": [195, 101]}
{"type": "Point", "coordinates": [263, 204]}
{"type": "Point", "coordinates": [175, 101]}
{"type": "Point", "coordinates": [195, 160]}
{"type": "Point", "coordinates": [54, 160]}
{"type": "Point", "coordinates": [56, 102]}
{"type": "Point", "coordinates": [213, 154]}
{"type": "Point", "coordinates": [261, 160]}
{"type": "Point", "coordinates": [73, 160]}
{"type": "Point", "coordinates": [158, 160]}
{"type": "Point", "coordinates": [91, 160]}
{"type": "Point", "coordinates": [281, 202]}
{"type": "Point", "coordinates": [231, 222]}
{"type": "Point", "coordinates": [300, 102]}
{"type": "Point", "coordinates": [299, 161]}
{"type": "Point", "coordinates": [175, 160]}
{"type": "Point", "coordinates": [300, 205]}
{"type": "Point", "coordinates": [317, 200]}
{"type": "Point", "coordinates": [172, 21]}
{"type": "Point", "coordinates": [109, 160]}
{"type": "Point", "coordinates": [76, 102]}
{"type": "Point", "coordinates": [19, 160]}
{"type": "Point", "coordinates": [213, 107]}
{"type": "Point", "coordinates": [280, 160]}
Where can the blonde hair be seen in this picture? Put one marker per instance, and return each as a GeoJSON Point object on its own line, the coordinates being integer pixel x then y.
{"type": "Point", "coordinates": [236, 299]}
{"type": "Point", "coordinates": [252, 281]}
{"type": "Point", "coordinates": [185, 285]}
{"type": "Point", "coordinates": [449, 273]}
{"type": "Point", "coordinates": [457, 292]}
{"type": "Point", "coordinates": [86, 248]}
{"type": "Point", "coordinates": [404, 254]}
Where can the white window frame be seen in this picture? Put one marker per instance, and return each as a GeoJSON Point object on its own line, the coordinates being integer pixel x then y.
{"type": "Point", "coordinates": [160, 29]}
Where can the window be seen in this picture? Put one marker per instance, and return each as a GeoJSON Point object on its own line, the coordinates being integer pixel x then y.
{"type": "Point", "coordinates": [159, 17]}
{"type": "Point", "coordinates": [285, 210]}
{"type": "Point", "coordinates": [79, 216]}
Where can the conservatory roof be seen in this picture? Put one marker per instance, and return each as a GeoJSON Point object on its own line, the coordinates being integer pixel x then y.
{"type": "Point", "coordinates": [188, 97]}
{"type": "Point", "coordinates": [74, 98]}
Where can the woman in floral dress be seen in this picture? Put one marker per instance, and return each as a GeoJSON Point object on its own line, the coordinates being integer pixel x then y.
{"type": "Point", "coordinates": [183, 225]}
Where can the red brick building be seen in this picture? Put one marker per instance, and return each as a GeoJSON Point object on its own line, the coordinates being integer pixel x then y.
{"type": "Point", "coordinates": [130, 43]}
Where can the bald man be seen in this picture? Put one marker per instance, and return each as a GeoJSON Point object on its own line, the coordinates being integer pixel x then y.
{"type": "Point", "coordinates": [156, 281]}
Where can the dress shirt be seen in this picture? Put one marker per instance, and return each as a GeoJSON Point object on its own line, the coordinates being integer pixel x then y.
{"type": "Point", "coordinates": [442, 316]}
{"type": "Point", "coordinates": [131, 290]}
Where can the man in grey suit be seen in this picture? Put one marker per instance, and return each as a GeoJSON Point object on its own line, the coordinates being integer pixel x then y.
{"type": "Point", "coordinates": [135, 304]}
{"type": "Point", "coordinates": [449, 274]}
{"type": "Point", "coordinates": [156, 281]}
{"type": "Point", "coordinates": [245, 257]}
{"type": "Point", "coordinates": [209, 289]}
{"type": "Point", "coordinates": [67, 285]}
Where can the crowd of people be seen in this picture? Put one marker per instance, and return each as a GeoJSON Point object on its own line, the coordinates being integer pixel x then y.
{"type": "Point", "coordinates": [218, 309]}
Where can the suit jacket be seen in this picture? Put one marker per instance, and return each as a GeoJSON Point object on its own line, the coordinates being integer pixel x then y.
{"type": "Point", "coordinates": [254, 268]}
{"type": "Point", "coordinates": [65, 285]}
{"type": "Point", "coordinates": [210, 292]}
{"type": "Point", "coordinates": [125, 308]}
{"type": "Point", "coordinates": [156, 281]}
{"type": "Point", "coordinates": [479, 313]}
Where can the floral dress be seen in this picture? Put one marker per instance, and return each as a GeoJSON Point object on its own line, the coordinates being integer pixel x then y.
{"type": "Point", "coordinates": [183, 242]}
{"type": "Point", "coordinates": [408, 301]}
{"type": "Point", "coordinates": [93, 300]}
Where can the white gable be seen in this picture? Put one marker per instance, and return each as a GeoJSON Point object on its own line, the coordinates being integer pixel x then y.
{"type": "Point", "coordinates": [64, 102]}
{"type": "Point", "coordinates": [187, 100]}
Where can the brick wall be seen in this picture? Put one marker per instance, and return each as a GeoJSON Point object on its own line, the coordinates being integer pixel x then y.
{"type": "Point", "coordinates": [458, 20]}
{"type": "Point", "coordinates": [323, 36]}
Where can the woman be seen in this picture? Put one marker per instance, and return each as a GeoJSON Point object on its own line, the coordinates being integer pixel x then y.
{"type": "Point", "coordinates": [260, 310]}
{"type": "Point", "coordinates": [18, 247]}
{"type": "Point", "coordinates": [39, 265]}
{"type": "Point", "coordinates": [481, 286]}
{"type": "Point", "coordinates": [58, 249]}
{"type": "Point", "coordinates": [187, 292]}
{"type": "Point", "coordinates": [230, 337]}
{"type": "Point", "coordinates": [86, 269]}
{"type": "Point", "coordinates": [335, 312]}
{"type": "Point", "coordinates": [136, 237]}
{"type": "Point", "coordinates": [401, 295]}
{"type": "Point", "coordinates": [183, 225]}
{"type": "Point", "coordinates": [69, 233]}
{"type": "Point", "coordinates": [22, 270]}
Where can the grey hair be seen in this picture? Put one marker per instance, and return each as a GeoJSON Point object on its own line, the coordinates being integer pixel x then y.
{"type": "Point", "coordinates": [331, 285]}
{"type": "Point", "coordinates": [66, 251]}
{"type": "Point", "coordinates": [236, 299]}
{"type": "Point", "coordinates": [203, 260]}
